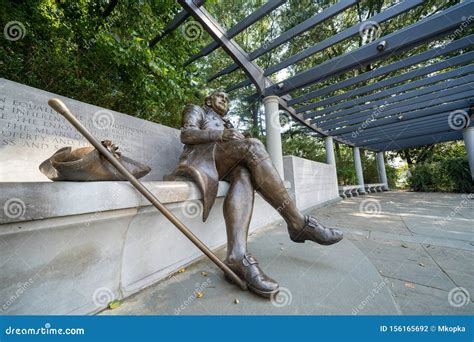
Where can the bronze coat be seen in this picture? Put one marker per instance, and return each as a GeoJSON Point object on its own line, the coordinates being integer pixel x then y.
{"type": "Point", "coordinates": [201, 130]}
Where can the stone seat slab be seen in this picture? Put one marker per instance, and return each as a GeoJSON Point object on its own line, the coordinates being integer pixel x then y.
{"type": "Point", "coordinates": [46, 199]}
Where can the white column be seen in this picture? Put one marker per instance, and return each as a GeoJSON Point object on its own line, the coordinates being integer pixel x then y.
{"type": "Point", "coordinates": [330, 158]}
{"type": "Point", "coordinates": [468, 135]}
{"type": "Point", "coordinates": [381, 169]}
{"type": "Point", "coordinates": [358, 167]}
{"type": "Point", "coordinates": [273, 130]}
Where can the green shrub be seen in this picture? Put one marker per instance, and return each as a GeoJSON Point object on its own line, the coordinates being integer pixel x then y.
{"type": "Point", "coordinates": [457, 174]}
{"type": "Point", "coordinates": [448, 175]}
{"type": "Point", "coordinates": [423, 178]}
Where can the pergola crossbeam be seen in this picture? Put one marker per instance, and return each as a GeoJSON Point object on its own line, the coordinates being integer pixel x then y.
{"type": "Point", "coordinates": [177, 20]}
{"type": "Point", "coordinates": [463, 100]}
{"type": "Point", "coordinates": [239, 27]}
{"type": "Point", "coordinates": [435, 127]}
{"type": "Point", "coordinates": [449, 63]}
{"type": "Point", "coordinates": [417, 141]}
{"type": "Point", "coordinates": [403, 92]}
{"type": "Point", "coordinates": [396, 102]}
{"type": "Point", "coordinates": [291, 33]}
{"type": "Point", "coordinates": [405, 63]}
{"type": "Point", "coordinates": [379, 18]}
{"type": "Point", "coordinates": [380, 132]}
{"type": "Point", "coordinates": [423, 31]}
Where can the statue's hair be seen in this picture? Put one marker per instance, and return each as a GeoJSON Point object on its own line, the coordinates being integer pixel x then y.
{"type": "Point", "coordinates": [207, 100]}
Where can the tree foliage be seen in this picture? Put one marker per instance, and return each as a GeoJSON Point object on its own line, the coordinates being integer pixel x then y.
{"type": "Point", "coordinates": [91, 52]}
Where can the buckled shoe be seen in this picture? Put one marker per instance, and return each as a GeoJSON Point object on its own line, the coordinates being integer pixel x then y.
{"type": "Point", "coordinates": [313, 230]}
{"type": "Point", "coordinates": [257, 281]}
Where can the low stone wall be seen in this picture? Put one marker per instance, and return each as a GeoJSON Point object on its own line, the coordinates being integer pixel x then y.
{"type": "Point", "coordinates": [312, 183]}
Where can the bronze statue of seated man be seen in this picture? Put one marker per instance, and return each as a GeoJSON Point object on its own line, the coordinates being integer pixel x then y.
{"type": "Point", "coordinates": [214, 151]}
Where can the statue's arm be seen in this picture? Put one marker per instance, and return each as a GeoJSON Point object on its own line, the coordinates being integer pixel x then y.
{"type": "Point", "coordinates": [191, 132]}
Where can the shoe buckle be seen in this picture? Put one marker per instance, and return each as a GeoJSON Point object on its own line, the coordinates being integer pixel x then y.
{"type": "Point", "coordinates": [249, 260]}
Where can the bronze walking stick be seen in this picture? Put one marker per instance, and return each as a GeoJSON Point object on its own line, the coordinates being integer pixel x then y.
{"type": "Point", "coordinates": [61, 108]}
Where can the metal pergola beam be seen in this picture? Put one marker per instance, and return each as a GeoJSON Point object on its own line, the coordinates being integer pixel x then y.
{"type": "Point", "coordinates": [405, 63]}
{"type": "Point", "coordinates": [397, 101]}
{"type": "Point", "coordinates": [428, 100]}
{"type": "Point", "coordinates": [437, 126]}
{"type": "Point", "coordinates": [177, 20]}
{"type": "Point", "coordinates": [413, 113]}
{"type": "Point", "coordinates": [423, 31]}
{"type": "Point", "coordinates": [291, 33]}
{"type": "Point", "coordinates": [415, 142]}
{"type": "Point", "coordinates": [462, 59]}
{"type": "Point", "coordinates": [395, 95]}
{"type": "Point", "coordinates": [239, 27]}
{"type": "Point", "coordinates": [414, 118]}
{"type": "Point", "coordinates": [388, 14]}
{"type": "Point", "coordinates": [386, 96]}
{"type": "Point", "coordinates": [445, 119]}
{"type": "Point", "coordinates": [253, 71]}
{"type": "Point", "coordinates": [361, 136]}
{"type": "Point", "coordinates": [412, 134]}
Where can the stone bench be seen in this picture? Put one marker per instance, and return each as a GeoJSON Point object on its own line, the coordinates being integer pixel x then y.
{"type": "Point", "coordinates": [375, 187]}
{"type": "Point", "coordinates": [348, 191]}
{"type": "Point", "coordinates": [72, 247]}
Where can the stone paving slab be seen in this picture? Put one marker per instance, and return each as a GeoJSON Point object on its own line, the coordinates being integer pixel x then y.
{"type": "Point", "coordinates": [405, 261]}
{"type": "Point", "coordinates": [457, 263]}
{"type": "Point", "coordinates": [425, 300]}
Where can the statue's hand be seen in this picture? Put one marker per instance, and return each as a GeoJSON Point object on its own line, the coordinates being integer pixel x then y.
{"type": "Point", "coordinates": [231, 134]}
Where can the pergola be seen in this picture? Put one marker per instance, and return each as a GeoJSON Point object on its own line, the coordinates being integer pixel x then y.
{"type": "Point", "coordinates": [394, 113]}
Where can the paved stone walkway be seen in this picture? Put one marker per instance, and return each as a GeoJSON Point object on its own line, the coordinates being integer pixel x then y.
{"type": "Point", "coordinates": [422, 243]}
{"type": "Point", "coordinates": [404, 253]}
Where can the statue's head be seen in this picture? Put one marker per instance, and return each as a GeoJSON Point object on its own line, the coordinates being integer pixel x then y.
{"type": "Point", "coordinates": [218, 101]}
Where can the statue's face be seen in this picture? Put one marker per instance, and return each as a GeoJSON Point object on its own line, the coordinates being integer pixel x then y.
{"type": "Point", "coordinates": [220, 103]}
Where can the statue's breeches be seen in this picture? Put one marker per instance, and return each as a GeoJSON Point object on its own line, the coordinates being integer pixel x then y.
{"type": "Point", "coordinates": [248, 152]}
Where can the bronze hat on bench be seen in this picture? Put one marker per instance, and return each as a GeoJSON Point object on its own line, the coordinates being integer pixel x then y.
{"type": "Point", "coordinates": [87, 164]}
